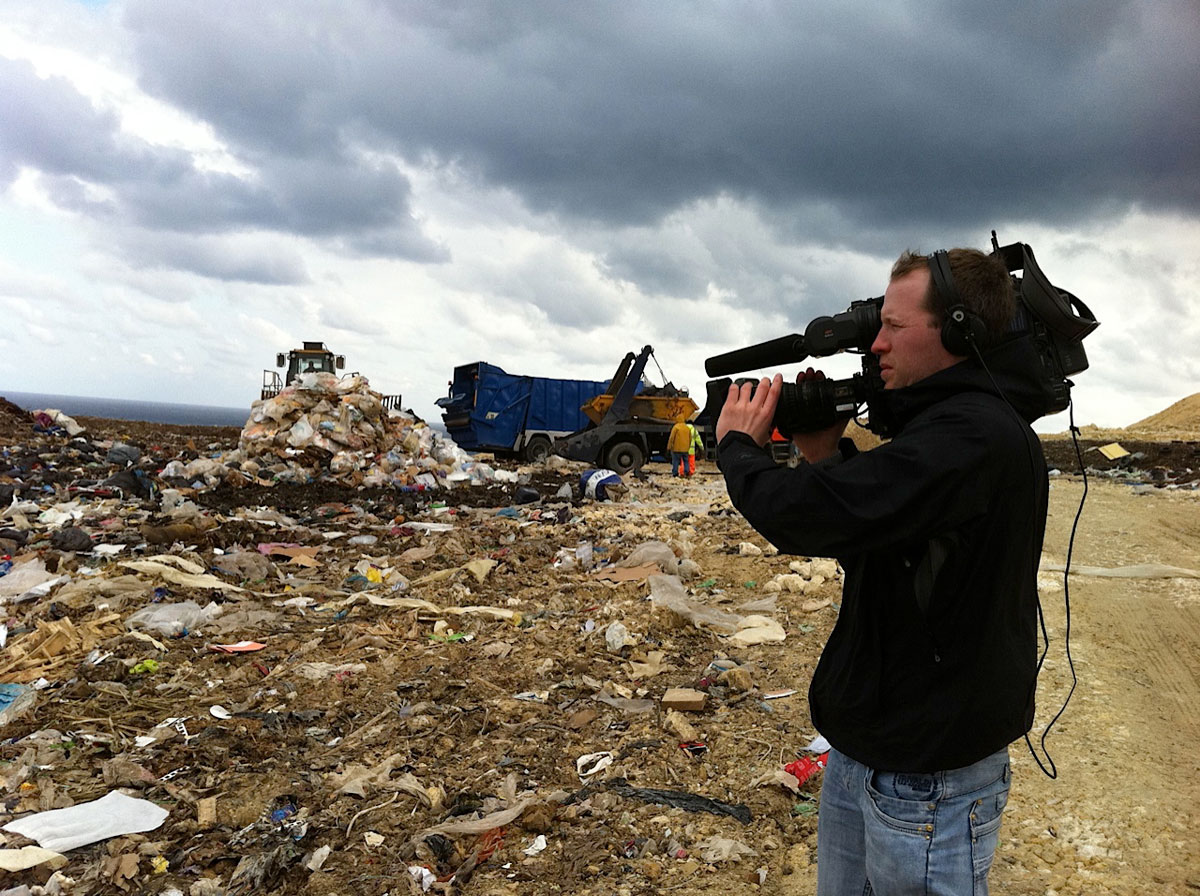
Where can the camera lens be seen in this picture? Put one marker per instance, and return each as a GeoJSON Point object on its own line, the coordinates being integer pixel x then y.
{"type": "Point", "coordinates": [816, 404]}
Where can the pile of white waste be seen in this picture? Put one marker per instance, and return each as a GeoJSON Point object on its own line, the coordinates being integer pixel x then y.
{"type": "Point", "coordinates": [326, 427]}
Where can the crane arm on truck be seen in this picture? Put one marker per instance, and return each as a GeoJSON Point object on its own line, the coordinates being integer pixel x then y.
{"type": "Point", "coordinates": [627, 425]}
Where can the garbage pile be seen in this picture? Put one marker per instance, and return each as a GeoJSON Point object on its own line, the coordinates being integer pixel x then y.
{"type": "Point", "coordinates": [318, 686]}
{"type": "Point", "coordinates": [334, 427]}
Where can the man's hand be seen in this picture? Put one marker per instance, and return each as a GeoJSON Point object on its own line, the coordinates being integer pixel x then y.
{"type": "Point", "coordinates": [750, 413]}
{"type": "Point", "coordinates": [816, 446]}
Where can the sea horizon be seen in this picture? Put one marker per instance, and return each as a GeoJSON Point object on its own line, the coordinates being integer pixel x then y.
{"type": "Point", "coordinates": [128, 409]}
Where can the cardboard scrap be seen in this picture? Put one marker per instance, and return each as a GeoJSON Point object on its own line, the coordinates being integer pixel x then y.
{"type": "Point", "coordinates": [618, 574]}
{"type": "Point", "coordinates": [480, 567]}
{"type": "Point", "coordinates": [684, 699]}
{"type": "Point", "coordinates": [30, 857]}
{"type": "Point", "coordinates": [1112, 451]}
{"type": "Point", "coordinates": [295, 554]}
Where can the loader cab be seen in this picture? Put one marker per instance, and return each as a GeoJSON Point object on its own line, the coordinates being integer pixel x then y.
{"type": "Point", "coordinates": [314, 357]}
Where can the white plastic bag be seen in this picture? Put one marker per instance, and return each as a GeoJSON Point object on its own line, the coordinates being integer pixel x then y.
{"type": "Point", "coordinates": [172, 620]}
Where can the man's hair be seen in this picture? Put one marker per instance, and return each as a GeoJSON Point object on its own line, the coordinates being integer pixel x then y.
{"type": "Point", "coordinates": [981, 281]}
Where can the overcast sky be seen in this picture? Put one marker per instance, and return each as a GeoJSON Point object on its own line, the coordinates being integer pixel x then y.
{"type": "Point", "coordinates": [188, 188]}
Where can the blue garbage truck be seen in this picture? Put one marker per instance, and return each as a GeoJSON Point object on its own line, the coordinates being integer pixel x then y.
{"type": "Point", "coordinates": [512, 414]}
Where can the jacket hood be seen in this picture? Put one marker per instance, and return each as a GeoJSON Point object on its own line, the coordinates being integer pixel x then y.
{"type": "Point", "coordinates": [1014, 365]}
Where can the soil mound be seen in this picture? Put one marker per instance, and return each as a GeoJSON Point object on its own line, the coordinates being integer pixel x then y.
{"type": "Point", "coordinates": [1182, 416]}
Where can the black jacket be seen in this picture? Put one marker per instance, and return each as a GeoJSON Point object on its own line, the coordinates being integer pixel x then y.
{"type": "Point", "coordinates": [932, 662]}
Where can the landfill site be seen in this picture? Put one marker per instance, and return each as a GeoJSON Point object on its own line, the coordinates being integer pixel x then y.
{"type": "Point", "coordinates": [333, 652]}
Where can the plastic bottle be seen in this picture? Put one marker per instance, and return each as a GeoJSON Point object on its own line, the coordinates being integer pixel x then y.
{"type": "Point", "coordinates": [583, 553]}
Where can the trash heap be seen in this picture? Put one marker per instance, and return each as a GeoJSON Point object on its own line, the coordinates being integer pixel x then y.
{"type": "Point", "coordinates": [336, 428]}
{"type": "Point", "coordinates": [319, 687]}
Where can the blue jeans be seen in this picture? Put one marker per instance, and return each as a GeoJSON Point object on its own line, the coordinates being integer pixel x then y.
{"type": "Point", "coordinates": [900, 834]}
{"type": "Point", "coordinates": [678, 463]}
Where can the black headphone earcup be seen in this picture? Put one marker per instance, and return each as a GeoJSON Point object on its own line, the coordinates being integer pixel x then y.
{"type": "Point", "coordinates": [963, 332]}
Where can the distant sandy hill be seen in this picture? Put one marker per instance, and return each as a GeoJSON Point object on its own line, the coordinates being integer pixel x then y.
{"type": "Point", "coordinates": [1181, 421]}
{"type": "Point", "coordinates": [1182, 415]}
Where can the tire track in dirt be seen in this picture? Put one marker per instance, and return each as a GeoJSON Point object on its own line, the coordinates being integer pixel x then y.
{"type": "Point", "coordinates": [1167, 639]}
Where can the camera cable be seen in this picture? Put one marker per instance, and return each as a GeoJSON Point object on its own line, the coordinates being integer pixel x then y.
{"type": "Point", "coordinates": [1052, 771]}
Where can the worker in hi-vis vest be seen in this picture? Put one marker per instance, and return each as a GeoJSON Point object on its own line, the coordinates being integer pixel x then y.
{"type": "Point", "coordinates": [679, 443]}
{"type": "Point", "coordinates": [696, 447]}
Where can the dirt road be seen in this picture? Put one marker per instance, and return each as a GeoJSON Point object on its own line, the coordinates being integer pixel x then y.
{"type": "Point", "coordinates": [1122, 815]}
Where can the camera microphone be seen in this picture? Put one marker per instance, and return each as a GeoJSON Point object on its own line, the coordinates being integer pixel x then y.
{"type": "Point", "coordinates": [773, 353]}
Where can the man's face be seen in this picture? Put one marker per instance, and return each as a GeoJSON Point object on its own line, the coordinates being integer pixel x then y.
{"type": "Point", "coordinates": [909, 344]}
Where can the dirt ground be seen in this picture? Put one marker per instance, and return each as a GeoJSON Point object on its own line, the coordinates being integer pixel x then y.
{"type": "Point", "coordinates": [370, 723]}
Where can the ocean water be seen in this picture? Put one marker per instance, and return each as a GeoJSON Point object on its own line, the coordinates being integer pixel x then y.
{"type": "Point", "coordinates": [121, 409]}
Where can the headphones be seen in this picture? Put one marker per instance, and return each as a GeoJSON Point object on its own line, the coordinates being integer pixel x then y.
{"type": "Point", "coordinates": [963, 332]}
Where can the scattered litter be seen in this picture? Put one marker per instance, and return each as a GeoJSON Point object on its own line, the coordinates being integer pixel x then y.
{"type": "Point", "coordinates": [592, 763]}
{"type": "Point", "coordinates": [722, 849]}
{"type": "Point", "coordinates": [237, 647]}
{"type": "Point", "coordinates": [432, 662]}
{"type": "Point", "coordinates": [757, 630]}
{"type": "Point", "coordinates": [806, 766]}
{"type": "Point", "coordinates": [602, 485]}
{"type": "Point", "coordinates": [684, 699]}
{"type": "Point", "coordinates": [669, 593]}
{"type": "Point", "coordinates": [112, 815]}
{"type": "Point", "coordinates": [537, 847]}
{"type": "Point", "coordinates": [657, 553]}
{"type": "Point", "coordinates": [30, 857]}
{"type": "Point", "coordinates": [617, 637]}
{"type": "Point", "coordinates": [15, 701]}
{"type": "Point", "coordinates": [678, 799]}
{"type": "Point", "coordinates": [173, 620]}
{"type": "Point", "coordinates": [422, 876]}
{"type": "Point", "coordinates": [1112, 451]}
{"type": "Point", "coordinates": [818, 745]}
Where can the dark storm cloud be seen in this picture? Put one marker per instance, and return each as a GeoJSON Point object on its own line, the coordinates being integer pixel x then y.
{"type": "Point", "coordinates": [941, 113]}
{"type": "Point", "coordinates": [846, 125]}
{"type": "Point", "coordinates": [89, 166]}
{"type": "Point", "coordinates": [46, 124]}
{"type": "Point", "coordinates": [217, 258]}
{"type": "Point", "coordinates": [944, 114]}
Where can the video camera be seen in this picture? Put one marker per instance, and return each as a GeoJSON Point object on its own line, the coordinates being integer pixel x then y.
{"type": "Point", "coordinates": [1055, 321]}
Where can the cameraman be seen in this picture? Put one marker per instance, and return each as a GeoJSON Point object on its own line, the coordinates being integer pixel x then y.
{"type": "Point", "coordinates": [929, 673]}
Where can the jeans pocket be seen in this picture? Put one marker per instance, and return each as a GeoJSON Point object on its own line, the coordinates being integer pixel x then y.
{"type": "Point", "coordinates": [986, 815]}
{"type": "Point", "coordinates": [904, 803]}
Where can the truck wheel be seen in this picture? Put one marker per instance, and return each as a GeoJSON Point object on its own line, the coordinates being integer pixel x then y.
{"type": "Point", "coordinates": [537, 449]}
{"type": "Point", "coordinates": [624, 456]}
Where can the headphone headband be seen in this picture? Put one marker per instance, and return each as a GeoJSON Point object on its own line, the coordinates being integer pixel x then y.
{"type": "Point", "coordinates": [943, 278]}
